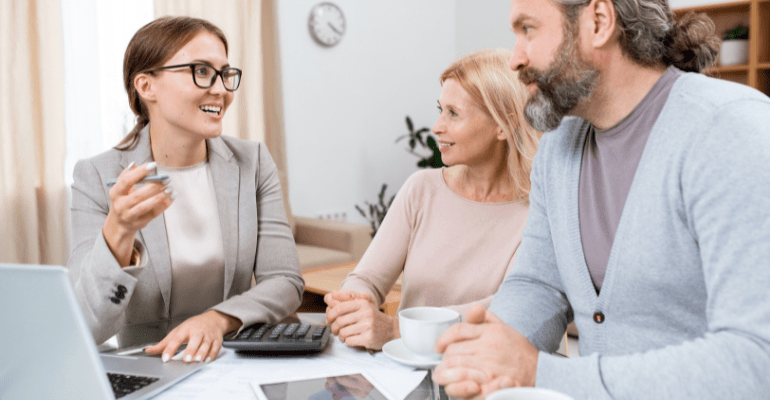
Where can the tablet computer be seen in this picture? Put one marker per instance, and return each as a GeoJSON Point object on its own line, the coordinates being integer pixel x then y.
{"type": "Point", "coordinates": [354, 386]}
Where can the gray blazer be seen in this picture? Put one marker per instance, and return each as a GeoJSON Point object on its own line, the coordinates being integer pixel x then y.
{"type": "Point", "coordinates": [256, 235]}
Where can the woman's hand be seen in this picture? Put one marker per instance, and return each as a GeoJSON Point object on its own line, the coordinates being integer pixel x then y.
{"type": "Point", "coordinates": [203, 335]}
{"type": "Point", "coordinates": [359, 322]}
{"type": "Point", "coordinates": [333, 298]}
{"type": "Point", "coordinates": [133, 208]}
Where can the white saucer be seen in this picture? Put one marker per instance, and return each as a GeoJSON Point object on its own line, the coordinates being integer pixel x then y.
{"type": "Point", "coordinates": [397, 351]}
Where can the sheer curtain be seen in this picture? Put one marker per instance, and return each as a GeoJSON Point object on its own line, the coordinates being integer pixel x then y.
{"type": "Point", "coordinates": [32, 187]}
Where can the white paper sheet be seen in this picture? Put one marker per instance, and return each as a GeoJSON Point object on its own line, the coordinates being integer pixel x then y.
{"type": "Point", "coordinates": [229, 377]}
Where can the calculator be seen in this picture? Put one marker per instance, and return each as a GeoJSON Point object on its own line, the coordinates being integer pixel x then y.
{"type": "Point", "coordinates": [281, 338]}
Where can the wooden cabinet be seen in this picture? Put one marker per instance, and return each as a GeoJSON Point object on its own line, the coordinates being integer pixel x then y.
{"type": "Point", "coordinates": [755, 14]}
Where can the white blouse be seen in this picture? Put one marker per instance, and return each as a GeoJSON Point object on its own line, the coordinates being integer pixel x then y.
{"type": "Point", "coordinates": [194, 240]}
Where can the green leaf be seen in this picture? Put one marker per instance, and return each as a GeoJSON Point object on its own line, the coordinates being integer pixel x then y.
{"type": "Point", "coordinates": [739, 32]}
{"type": "Point", "coordinates": [409, 124]}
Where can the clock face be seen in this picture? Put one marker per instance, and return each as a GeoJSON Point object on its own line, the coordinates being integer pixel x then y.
{"type": "Point", "coordinates": [327, 24]}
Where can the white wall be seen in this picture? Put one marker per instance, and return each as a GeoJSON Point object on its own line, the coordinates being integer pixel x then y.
{"type": "Point", "coordinates": [482, 24]}
{"type": "Point", "coordinates": [345, 106]}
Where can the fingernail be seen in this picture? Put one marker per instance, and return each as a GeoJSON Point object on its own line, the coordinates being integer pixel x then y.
{"type": "Point", "coordinates": [187, 358]}
{"type": "Point", "coordinates": [198, 358]}
{"type": "Point", "coordinates": [165, 181]}
{"type": "Point", "coordinates": [166, 357]}
{"type": "Point", "coordinates": [208, 360]}
{"type": "Point", "coordinates": [173, 196]}
{"type": "Point", "coordinates": [131, 165]}
{"type": "Point", "coordinates": [151, 166]}
{"type": "Point", "coordinates": [169, 190]}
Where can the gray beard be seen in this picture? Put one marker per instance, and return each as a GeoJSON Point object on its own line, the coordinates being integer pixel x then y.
{"type": "Point", "coordinates": [560, 88]}
{"type": "Point", "coordinates": [542, 114]}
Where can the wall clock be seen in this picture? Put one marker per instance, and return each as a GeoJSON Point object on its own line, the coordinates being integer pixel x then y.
{"type": "Point", "coordinates": [326, 23]}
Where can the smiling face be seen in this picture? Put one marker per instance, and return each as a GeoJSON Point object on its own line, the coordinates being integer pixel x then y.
{"type": "Point", "coordinates": [466, 134]}
{"type": "Point", "coordinates": [180, 107]}
{"type": "Point", "coordinates": [550, 62]}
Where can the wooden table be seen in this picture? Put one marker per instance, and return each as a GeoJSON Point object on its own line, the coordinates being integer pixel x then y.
{"type": "Point", "coordinates": [320, 281]}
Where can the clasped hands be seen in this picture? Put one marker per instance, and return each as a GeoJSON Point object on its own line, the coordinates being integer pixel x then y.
{"type": "Point", "coordinates": [482, 355]}
{"type": "Point", "coordinates": [355, 318]}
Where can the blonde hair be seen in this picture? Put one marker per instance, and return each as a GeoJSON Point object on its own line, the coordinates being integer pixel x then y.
{"type": "Point", "coordinates": [496, 88]}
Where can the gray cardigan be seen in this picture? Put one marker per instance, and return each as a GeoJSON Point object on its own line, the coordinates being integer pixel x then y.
{"type": "Point", "coordinates": [686, 298]}
{"type": "Point", "coordinates": [256, 236]}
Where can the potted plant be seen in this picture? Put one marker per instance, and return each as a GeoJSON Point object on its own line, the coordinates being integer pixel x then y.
{"type": "Point", "coordinates": [377, 210]}
{"type": "Point", "coordinates": [735, 46]}
{"type": "Point", "coordinates": [427, 142]}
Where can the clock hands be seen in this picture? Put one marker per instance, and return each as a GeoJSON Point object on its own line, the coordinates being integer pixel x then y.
{"type": "Point", "coordinates": [334, 28]}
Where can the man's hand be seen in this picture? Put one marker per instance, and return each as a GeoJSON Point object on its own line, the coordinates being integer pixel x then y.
{"type": "Point", "coordinates": [357, 321]}
{"type": "Point", "coordinates": [203, 335]}
{"type": "Point", "coordinates": [483, 355]}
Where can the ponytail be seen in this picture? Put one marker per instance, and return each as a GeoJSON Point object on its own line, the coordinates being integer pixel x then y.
{"type": "Point", "coordinates": [133, 137]}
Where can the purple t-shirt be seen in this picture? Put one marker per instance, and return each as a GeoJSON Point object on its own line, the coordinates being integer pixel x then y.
{"type": "Point", "coordinates": [610, 158]}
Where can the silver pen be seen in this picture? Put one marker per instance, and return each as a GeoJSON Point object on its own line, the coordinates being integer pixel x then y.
{"type": "Point", "coordinates": [146, 179]}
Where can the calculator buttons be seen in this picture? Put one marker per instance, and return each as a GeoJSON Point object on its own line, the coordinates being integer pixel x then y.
{"type": "Point", "coordinates": [302, 331]}
{"type": "Point", "coordinates": [290, 330]}
{"type": "Point", "coordinates": [245, 334]}
{"type": "Point", "coordinates": [283, 338]}
{"type": "Point", "coordinates": [318, 332]}
{"type": "Point", "coordinates": [276, 333]}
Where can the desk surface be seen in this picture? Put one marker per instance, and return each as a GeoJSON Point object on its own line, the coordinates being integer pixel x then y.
{"type": "Point", "coordinates": [328, 279]}
{"type": "Point", "coordinates": [231, 375]}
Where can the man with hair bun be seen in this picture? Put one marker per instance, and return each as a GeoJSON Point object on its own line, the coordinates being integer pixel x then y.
{"type": "Point", "coordinates": [649, 219]}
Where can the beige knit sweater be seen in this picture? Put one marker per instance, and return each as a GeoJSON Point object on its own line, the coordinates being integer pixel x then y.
{"type": "Point", "coordinates": [454, 252]}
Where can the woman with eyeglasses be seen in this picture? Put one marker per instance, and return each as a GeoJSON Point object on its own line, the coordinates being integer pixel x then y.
{"type": "Point", "coordinates": [191, 215]}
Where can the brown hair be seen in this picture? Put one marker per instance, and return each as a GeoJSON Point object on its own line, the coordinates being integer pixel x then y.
{"type": "Point", "coordinates": [151, 46]}
{"type": "Point", "coordinates": [491, 83]}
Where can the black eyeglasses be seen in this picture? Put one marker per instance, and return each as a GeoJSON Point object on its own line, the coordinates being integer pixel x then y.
{"type": "Point", "coordinates": [205, 75]}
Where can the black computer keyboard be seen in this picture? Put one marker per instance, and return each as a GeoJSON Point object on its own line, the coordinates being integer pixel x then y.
{"type": "Point", "coordinates": [123, 385]}
{"type": "Point", "coordinates": [283, 338]}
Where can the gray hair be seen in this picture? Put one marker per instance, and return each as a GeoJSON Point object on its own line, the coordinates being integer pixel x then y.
{"type": "Point", "coordinates": [650, 36]}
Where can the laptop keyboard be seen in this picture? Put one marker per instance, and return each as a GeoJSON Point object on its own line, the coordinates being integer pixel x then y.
{"type": "Point", "coordinates": [123, 385]}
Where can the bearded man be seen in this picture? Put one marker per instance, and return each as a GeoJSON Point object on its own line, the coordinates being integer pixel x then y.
{"type": "Point", "coordinates": [649, 221]}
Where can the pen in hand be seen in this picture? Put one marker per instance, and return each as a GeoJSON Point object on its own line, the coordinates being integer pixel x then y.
{"type": "Point", "coordinates": [146, 179]}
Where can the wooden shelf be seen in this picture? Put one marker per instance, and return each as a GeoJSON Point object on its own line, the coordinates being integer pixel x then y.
{"type": "Point", "coordinates": [716, 8]}
{"type": "Point", "coordinates": [756, 15]}
{"type": "Point", "coordinates": [728, 69]}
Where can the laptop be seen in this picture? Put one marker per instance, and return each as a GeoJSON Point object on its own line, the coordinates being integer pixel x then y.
{"type": "Point", "coordinates": [48, 352]}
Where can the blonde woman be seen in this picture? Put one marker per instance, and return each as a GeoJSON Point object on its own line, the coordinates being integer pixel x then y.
{"type": "Point", "coordinates": [454, 231]}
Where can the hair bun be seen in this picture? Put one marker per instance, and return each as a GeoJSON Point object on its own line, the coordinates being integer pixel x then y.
{"type": "Point", "coordinates": [692, 44]}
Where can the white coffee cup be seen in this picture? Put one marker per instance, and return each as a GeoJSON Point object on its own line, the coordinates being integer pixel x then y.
{"type": "Point", "coordinates": [420, 327]}
{"type": "Point", "coordinates": [527, 393]}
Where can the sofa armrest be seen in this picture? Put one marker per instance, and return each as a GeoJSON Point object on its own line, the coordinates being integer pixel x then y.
{"type": "Point", "coordinates": [344, 236]}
